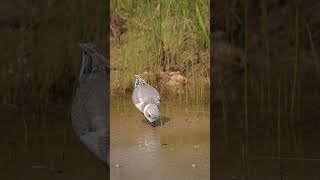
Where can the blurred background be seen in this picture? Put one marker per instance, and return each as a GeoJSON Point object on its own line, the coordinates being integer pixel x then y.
{"type": "Point", "coordinates": [40, 60]}
{"type": "Point", "coordinates": [266, 98]}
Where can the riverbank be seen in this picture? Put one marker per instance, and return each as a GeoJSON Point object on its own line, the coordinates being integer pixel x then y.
{"type": "Point", "coordinates": [165, 42]}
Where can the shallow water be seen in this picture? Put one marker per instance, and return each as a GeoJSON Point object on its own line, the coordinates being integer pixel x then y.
{"type": "Point", "coordinates": [179, 149]}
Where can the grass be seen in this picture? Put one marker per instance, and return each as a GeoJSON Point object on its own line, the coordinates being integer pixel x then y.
{"type": "Point", "coordinates": [273, 81]}
{"type": "Point", "coordinates": [160, 36]}
{"type": "Point", "coordinates": [245, 154]}
{"type": "Point", "coordinates": [265, 34]}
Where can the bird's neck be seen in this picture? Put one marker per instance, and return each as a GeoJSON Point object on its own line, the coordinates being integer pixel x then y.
{"type": "Point", "coordinates": [145, 108]}
{"type": "Point", "coordinates": [142, 106]}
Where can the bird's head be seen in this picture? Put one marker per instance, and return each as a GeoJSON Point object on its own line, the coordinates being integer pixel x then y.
{"type": "Point", "coordinates": [151, 112]}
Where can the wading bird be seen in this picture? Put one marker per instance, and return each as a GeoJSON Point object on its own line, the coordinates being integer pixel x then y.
{"type": "Point", "coordinates": [90, 107]}
{"type": "Point", "coordinates": [146, 99]}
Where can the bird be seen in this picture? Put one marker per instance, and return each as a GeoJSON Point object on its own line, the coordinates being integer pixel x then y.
{"type": "Point", "coordinates": [146, 99]}
{"type": "Point", "coordinates": [90, 106]}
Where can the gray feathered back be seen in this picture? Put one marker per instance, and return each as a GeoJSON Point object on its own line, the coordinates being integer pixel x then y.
{"type": "Point", "coordinates": [145, 93]}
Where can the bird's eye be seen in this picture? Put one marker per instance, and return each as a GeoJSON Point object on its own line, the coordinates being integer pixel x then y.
{"type": "Point", "coordinates": [149, 115]}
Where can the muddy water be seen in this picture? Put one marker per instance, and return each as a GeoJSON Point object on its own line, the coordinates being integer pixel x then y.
{"type": "Point", "coordinates": [176, 149]}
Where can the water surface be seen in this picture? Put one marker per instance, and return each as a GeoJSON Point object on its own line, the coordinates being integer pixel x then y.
{"type": "Point", "coordinates": [177, 149]}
